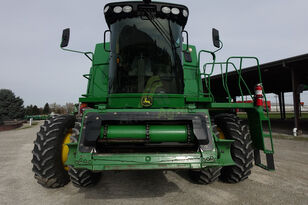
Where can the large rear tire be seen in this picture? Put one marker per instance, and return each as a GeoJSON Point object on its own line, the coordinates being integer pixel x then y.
{"type": "Point", "coordinates": [48, 166]}
{"type": "Point", "coordinates": [241, 149]}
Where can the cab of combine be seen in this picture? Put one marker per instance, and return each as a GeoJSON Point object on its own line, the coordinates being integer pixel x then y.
{"type": "Point", "coordinates": [146, 36]}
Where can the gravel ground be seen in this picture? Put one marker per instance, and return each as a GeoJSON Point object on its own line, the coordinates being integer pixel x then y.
{"type": "Point", "coordinates": [287, 185]}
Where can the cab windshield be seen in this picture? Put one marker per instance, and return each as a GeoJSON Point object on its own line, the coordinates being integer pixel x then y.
{"type": "Point", "coordinates": [146, 56]}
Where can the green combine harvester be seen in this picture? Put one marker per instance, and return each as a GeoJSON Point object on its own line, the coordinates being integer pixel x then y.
{"type": "Point", "coordinates": [149, 106]}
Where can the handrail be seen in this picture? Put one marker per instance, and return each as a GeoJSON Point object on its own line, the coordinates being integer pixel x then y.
{"type": "Point", "coordinates": [264, 94]}
{"type": "Point", "coordinates": [240, 82]}
{"type": "Point", "coordinates": [199, 73]}
{"type": "Point", "coordinates": [225, 78]}
{"type": "Point", "coordinates": [206, 51]}
{"type": "Point", "coordinates": [225, 74]}
{"type": "Point", "coordinates": [258, 67]}
{"type": "Point", "coordinates": [208, 75]}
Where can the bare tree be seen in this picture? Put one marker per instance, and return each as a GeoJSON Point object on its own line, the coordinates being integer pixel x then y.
{"type": "Point", "coordinates": [69, 108]}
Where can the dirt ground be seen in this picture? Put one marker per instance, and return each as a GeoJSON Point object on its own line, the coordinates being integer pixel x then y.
{"type": "Point", "coordinates": [287, 185]}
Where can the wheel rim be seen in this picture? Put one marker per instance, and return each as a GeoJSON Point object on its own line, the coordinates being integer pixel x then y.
{"type": "Point", "coordinates": [221, 134]}
{"type": "Point", "coordinates": [65, 149]}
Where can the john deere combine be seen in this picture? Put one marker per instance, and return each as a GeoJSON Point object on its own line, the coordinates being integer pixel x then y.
{"type": "Point", "coordinates": [149, 106]}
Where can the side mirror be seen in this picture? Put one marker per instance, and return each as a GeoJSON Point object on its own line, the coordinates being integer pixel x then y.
{"type": "Point", "coordinates": [216, 41]}
{"type": "Point", "coordinates": [65, 37]}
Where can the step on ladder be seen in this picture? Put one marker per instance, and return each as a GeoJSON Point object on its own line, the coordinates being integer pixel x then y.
{"type": "Point", "coordinates": [269, 153]}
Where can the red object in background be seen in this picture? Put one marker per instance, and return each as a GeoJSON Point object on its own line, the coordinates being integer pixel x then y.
{"type": "Point", "coordinates": [82, 106]}
{"type": "Point", "coordinates": [269, 104]}
{"type": "Point", "coordinates": [302, 104]}
{"type": "Point", "coordinates": [258, 95]}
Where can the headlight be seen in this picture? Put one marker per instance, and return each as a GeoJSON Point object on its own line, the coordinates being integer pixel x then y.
{"type": "Point", "coordinates": [185, 13]}
{"type": "Point", "coordinates": [117, 9]}
{"type": "Point", "coordinates": [106, 9]}
{"type": "Point", "coordinates": [127, 9]}
{"type": "Point", "coordinates": [166, 10]}
{"type": "Point", "coordinates": [175, 11]}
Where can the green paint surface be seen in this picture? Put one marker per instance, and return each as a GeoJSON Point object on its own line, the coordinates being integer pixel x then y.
{"type": "Point", "coordinates": [157, 133]}
{"type": "Point", "coordinates": [192, 100]}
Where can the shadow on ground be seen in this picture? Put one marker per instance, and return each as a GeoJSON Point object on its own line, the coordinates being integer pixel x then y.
{"type": "Point", "coordinates": [130, 184]}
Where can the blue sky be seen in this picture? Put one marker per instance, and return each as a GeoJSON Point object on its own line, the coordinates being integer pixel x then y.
{"type": "Point", "coordinates": [33, 66]}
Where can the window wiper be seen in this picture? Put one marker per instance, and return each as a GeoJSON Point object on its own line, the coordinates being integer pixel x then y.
{"type": "Point", "coordinates": [163, 31]}
{"type": "Point", "coordinates": [171, 39]}
{"type": "Point", "coordinates": [160, 28]}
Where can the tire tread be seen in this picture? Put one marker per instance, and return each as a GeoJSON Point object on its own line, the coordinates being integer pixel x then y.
{"type": "Point", "coordinates": [241, 148]}
{"type": "Point", "coordinates": [47, 164]}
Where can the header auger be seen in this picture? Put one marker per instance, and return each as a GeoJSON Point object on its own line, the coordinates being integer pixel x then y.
{"type": "Point", "coordinates": [149, 105]}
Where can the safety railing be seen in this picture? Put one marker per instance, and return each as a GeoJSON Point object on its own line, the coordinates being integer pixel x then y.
{"type": "Point", "coordinates": [224, 76]}
{"type": "Point", "coordinates": [224, 67]}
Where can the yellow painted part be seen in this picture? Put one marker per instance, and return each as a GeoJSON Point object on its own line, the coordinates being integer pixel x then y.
{"type": "Point", "coordinates": [221, 134]}
{"type": "Point", "coordinates": [65, 149]}
{"type": "Point", "coordinates": [153, 84]}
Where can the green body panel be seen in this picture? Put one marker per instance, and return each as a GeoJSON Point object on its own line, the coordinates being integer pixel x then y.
{"type": "Point", "coordinates": [157, 133]}
{"type": "Point", "coordinates": [255, 119]}
{"type": "Point", "coordinates": [197, 160]}
{"type": "Point", "coordinates": [134, 100]}
{"type": "Point", "coordinates": [125, 131]}
{"type": "Point", "coordinates": [191, 70]}
{"type": "Point", "coordinates": [97, 90]}
{"type": "Point", "coordinates": [219, 156]}
{"type": "Point", "coordinates": [168, 133]}
{"type": "Point", "coordinates": [224, 158]}
{"type": "Point", "coordinates": [93, 100]}
{"type": "Point", "coordinates": [229, 105]}
{"type": "Point", "coordinates": [97, 86]}
{"type": "Point", "coordinates": [193, 100]}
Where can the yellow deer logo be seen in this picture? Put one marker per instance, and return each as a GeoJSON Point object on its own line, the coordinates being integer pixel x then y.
{"type": "Point", "coordinates": [147, 101]}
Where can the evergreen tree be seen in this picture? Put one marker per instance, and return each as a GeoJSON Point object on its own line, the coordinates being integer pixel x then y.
{"type": "Point", "coordinates": [29, 110]}
{"type": "Point", "coordinates": [36, 111]}
{"type": "Point", "coordinates": [46, 109]}
{"type": "Point", "coordinates": [11, 107]}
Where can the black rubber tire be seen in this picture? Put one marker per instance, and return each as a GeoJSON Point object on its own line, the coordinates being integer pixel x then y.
{"type": "Point", "coordinates": [241, 149]}
{"type": "Point", "coordinates": [206, 175]}
{"type": "Point", "coordinates": [81, 177]}
{"type": "Point", "coordinates": [47, 160]}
